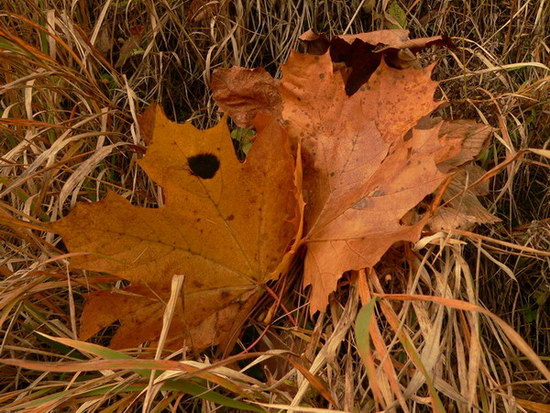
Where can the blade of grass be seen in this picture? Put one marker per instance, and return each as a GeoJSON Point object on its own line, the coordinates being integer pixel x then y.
{"type": "Point", "coordinates": [115, 360]}
{"type": "Point", "coordinates": [520, 343]}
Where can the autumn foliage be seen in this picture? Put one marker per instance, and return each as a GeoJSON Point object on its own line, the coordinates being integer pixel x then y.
{"type": "Point", "coordinates": [345, 151]}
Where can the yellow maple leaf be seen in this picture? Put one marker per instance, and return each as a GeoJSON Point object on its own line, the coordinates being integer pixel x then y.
{"type": "Point", "coordinates": [227, 226]}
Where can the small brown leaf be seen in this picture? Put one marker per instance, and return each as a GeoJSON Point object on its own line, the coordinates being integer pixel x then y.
{"type": "Point", "coordinates": [464, 209]}
{"type": "Point", "coordinates": [464, 140]}
{"type": "Point", "coordinates": [243, 93]}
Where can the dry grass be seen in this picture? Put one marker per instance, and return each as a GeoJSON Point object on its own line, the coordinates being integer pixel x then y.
{"type": "Point", "coordinates": [67, 134]}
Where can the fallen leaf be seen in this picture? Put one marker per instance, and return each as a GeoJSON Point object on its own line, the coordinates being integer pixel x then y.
{"type": "Point", "coordinates": [362, 171]}
{"type": "Point", "coordinates": [464, 140]}
{"type": "Point", "coordinates": [464, 209]}
{"type": "Point", "coordinates": [227, 226]}
{"type": "Point", "coordinates": [244, 93]}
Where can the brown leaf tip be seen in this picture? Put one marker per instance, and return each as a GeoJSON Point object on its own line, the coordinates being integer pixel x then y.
{"type": "Point", "coordinates": [204, 165]}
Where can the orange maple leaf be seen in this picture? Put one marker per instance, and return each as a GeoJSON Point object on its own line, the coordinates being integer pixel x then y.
{"type": "Point", "coordinates": [362, 172]}
{"type": "Point", "coordinates": [366, 163]}
{"type": "Point", "coordinates": [227, 226]}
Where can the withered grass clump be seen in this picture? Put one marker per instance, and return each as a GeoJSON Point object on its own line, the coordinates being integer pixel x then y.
{"type": "Point", "coordinates": [74, 76]}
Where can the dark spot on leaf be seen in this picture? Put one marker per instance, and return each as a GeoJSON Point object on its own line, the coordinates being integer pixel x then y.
{"type": "Point", "coordinates": [321, 75]}
{"type": "Point", "coordinates": [224, 294]}
{"type": "Point", "coordinates": [204, 165]}
{"type": "Point", "coordinates": [377, 192]}
{"type": "Point", "coordinates": [231, 217]}
{"type": "Point", "coordinates": [197, 284]}
{"type": "Point", "coordinates": [363, 203]}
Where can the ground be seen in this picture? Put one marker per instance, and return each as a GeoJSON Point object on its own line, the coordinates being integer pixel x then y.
{"type": "Point", "coordinates": [75, 75]}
